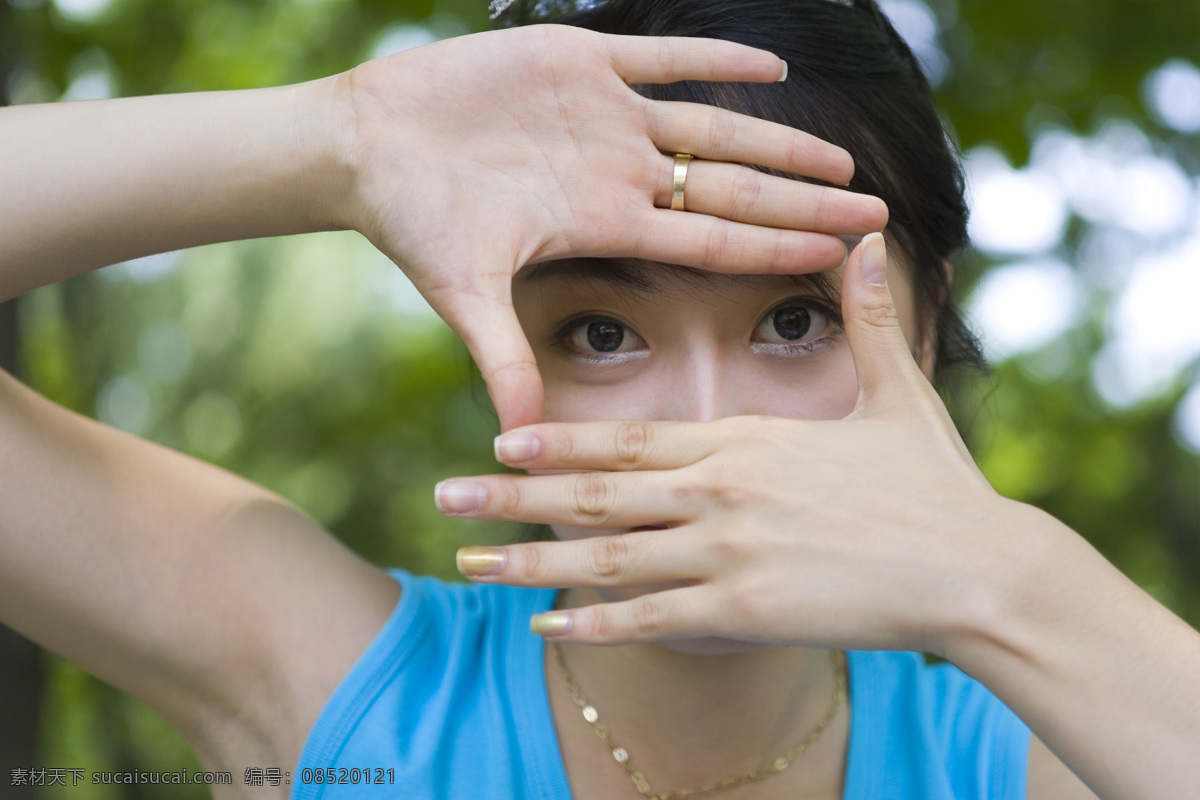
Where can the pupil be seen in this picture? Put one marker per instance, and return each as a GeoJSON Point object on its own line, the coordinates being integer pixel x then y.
{"type": "Point", "coordinates": [605, 336]}
{"type": "Point", "coordinates": [792, 323]}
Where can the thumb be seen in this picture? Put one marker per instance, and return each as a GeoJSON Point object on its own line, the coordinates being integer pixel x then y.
{"type": "Point", "coordinates": [489, 327]}
{"type": "Point", "coordinates": [882, 359]}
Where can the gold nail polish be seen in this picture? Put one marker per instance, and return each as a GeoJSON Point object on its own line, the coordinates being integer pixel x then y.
{"type": "Point", "coordinates": [476, 561]}
{"type": "Point", "coordinates": [550, 623]}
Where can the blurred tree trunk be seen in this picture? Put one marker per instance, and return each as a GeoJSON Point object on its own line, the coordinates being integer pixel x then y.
{"type": "Point", "coordinates": [20, 659]}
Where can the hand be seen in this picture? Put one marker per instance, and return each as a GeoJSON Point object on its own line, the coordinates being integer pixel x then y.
{"type": "Point", "coordinates": [477, 155]}
{"type": "Point", "coordinates": [887, 539]}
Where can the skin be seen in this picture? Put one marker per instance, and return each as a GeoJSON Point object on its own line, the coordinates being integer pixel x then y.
{"type": "Point", "coordinates": [519, 160]}
{"type": "Point", "coordinates": [94, 522]}
{"type": "Point", "coordinates": [695, 348]}
{"type": "Point", "coordinates": [896, 542]}
{"type": "Point", "coordinates": [235, 616]}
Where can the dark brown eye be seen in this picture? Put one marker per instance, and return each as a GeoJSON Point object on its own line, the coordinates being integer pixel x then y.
{"type": "Point", "coordinates": [791, 322]}
{"type": "Point", "coordinates": [796, 323]}
{"type": "Point", "coordinates": [605, 336]}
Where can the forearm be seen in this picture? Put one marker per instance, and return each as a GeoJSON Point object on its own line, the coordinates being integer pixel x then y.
{"type": "Point", "coordinates": [88, 184]}
{"type": "Point", "coordinates": [1107, 677]}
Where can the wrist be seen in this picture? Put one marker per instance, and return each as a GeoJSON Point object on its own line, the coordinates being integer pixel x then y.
{"type": "Point", "coordinates": [1020, 553]}
{"type": "Point", "coordinates": [323, 121]}
{"type": "Point", "coordinates": [1037, 579]}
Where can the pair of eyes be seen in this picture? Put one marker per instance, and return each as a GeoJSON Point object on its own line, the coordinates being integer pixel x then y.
{"type": "Point", "coordinates": [793, 327]}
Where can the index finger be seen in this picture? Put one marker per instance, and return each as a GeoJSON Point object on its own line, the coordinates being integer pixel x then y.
{"type": "Point", "coordinates": [489, 327]}
{"type": "Point", "coordinates": [668, 59]}
{"type": "Point", "coordinates": [610, 446]}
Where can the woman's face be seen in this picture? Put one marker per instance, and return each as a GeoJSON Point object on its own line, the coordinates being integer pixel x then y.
{"type": "Point", "coordinates": [689, 347]}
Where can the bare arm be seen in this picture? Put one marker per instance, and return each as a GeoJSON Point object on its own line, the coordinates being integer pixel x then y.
{"type": "Point", "coordinates": [1103, 673]}
{"type": "Point", "coordinates": [89, 184]}
{"type": "Point", "coordinates": [164, 576]}
{"type": "Point", "coordinates": [420, 148]}
{"type": "Point", "coordinates": [211, 599]}
{"type": "Point", "coordinates": [893, 541]}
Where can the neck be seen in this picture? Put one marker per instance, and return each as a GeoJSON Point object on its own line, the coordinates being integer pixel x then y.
{"type": "Point", "coordinates": [689, 719]}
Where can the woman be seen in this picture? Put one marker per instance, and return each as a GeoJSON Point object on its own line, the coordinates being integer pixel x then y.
{"type": "Point", "coordinates": [267, 643]}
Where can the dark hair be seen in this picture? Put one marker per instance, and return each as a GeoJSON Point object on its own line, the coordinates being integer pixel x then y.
{"type": "Point", "coordinates": [851, 81]}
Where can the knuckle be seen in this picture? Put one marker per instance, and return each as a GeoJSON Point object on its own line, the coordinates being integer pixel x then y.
{"type": "Point", "coordinates": [799, 149]}
{"type": "Point", "coordinates": [747, 194]}
{"type": "Point", "coordinates": [825, 210]}
{"type": "Point", "coordinates": [749, 599]}
{"type": "Point", "coordinates": [591, 498]}
{"type": "Point", "coordinates": [633, 442]}
{"type": "Point", "coordinates": [722, 129]}
{"type": "Point", "coordinates": [778, 251]}
{"type": "Point", "coordinates": [666, 53]}
{"type": "Point", "coordinates": [562, 447]}
{"type": "Point", "coordinates": [718, 245]}
{"type": "Point", "coordinates": [648, 617]}
{"type": "Point", "coordinates": [732, 548]}
{"type": "Point", "coordinates": [608, 558]}
{"type": "Point", "coordinates": [509, 498]}
{"type": "Point", "coordinates": [602, 626]}
{"type": "Point", "coordinates": [727, 491]}
{"type": "Point", "coordinates": [714, 53]}
{"type": "Point", "coordinates": [531, 561]}
{"type": "Point", "coordinates": [880, 316]}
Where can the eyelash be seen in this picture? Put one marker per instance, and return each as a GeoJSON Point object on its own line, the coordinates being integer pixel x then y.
{"type": "Point", "coordinates": [560, 339]}
{"type": "Point", "coordinates": [832, 316]}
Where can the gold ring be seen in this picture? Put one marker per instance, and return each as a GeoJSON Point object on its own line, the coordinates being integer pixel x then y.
{"type": "Point", "coordinates": [681, 168]}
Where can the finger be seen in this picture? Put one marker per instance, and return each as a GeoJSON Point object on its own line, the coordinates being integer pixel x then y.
{"type": "Point", "coordinates": [614, 446]}
{"type": "Point", "coordinates": [718, 134]}
{"type": "Point", "coordinates": [745, 195]}
{"type": "Point", "coordinates": [624, 559]}
{"type": "Point", "coordinates": [682, 613]}
{"type": "Point", "coordinates": [488, 326]}
{"type": "Point", "coordinates": [667, 59]}
{"type": "Point", "coordinates": [719, 245]}
{"type": "Point", "coordinates": [885, 365]}
{"type": "Point", "coordinates": [584, 499]}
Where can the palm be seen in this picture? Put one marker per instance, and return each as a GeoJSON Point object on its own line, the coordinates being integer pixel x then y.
{"type": "Point", "coordinates": [480, 154]}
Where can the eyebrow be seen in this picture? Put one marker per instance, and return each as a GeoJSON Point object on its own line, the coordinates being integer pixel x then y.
{"type": "Point", "coordinates": [626, 274]}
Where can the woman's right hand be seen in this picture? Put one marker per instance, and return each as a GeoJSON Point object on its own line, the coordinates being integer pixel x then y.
{"type": "Point", "coordinates": [476, 155]}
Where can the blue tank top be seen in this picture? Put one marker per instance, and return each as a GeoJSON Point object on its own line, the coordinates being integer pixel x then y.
{"type": "Point", "coordinates": [449, 702]}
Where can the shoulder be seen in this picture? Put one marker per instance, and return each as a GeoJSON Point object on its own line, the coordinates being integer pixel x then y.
{"type": "Point", "coordinates": [946, 733]}
{"type": "Point", "coordinates": [939, 697]}
{"type": "Point", "coordinates": [931, 731]}
{"type": "Point", "coordinates": [439, 614]}
{"type": "Point", "coordinates": [452, 657]}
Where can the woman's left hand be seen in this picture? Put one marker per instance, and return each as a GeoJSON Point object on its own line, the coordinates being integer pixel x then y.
{"type": "Point", "coordinates": [876, 531]}
{"type": "Point", "coordinates": [873, 532]}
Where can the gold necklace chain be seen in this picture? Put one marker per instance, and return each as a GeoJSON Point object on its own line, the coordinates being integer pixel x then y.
{"type": "Point", "coordinates": [778, 765]}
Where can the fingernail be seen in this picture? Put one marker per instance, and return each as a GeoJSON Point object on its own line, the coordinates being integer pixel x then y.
{"type": "Point", "coordinates": [517, 446]}
{"type": "Point", "coordinates": [550, 624]}
{"type": "Point", "coordinates": [459, 497]}
{"type": "Point", "coordinates": [476, 561]}
{"type": "Point", "coordinates": [874, 260]}
{"type": "Point", "coordinates": [784, 78]}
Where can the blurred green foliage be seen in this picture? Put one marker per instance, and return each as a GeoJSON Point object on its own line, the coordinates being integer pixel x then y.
{"type": "Point", "coordinates": [301, 363]}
